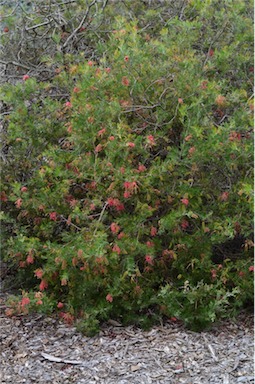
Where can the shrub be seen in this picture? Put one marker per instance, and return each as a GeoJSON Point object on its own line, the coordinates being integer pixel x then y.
{"type": "Point", "coordinates": [118, 198]}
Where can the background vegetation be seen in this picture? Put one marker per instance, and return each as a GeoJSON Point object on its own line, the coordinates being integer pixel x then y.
{"type": "Point", "coordinates": [127, 157]}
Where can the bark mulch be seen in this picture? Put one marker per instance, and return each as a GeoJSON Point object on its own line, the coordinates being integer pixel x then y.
{"type": "Point", "coordinates": [39, 349]}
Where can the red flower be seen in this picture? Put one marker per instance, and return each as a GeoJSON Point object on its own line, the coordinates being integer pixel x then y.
{"type": "Point", "coordinates": [211, 52]}
{"type": "Point", "coordinates": [187, 138]}
{"type": "Point", "coordinates": [121, 235]}
{"type": "Point", "coordinates": [125, 81]}
{"type": "Point", "coordinates": [101, 132]}
{"type": "Point", "coordinates": [25, 301]}
{"type": "Point", "coordinates": [185, 201]}
{"type": "Point", "coordinates": [74, 261]}
{"type": "Point", "coordinates": [149, 244]}
{"type": "Point", "coordinates": [3, 196]}
{"type": "Point", "coordinates": [149, 260]}
{"type": "Point", "coordinates": [91, 119]}
{"type": "Point", "coordinates": [39, 302]}
{"type": "Point", "coordinates": [180, 101]}
{"type": "Point", "coordinates": [107, 70]}
{"type": "Point", "coordinates": [18, 203]}
{"type": "Point", "coordinates": [131, 145]}
{"type": "Point", "coordinates": [126, 58]}
{"type": "Point", "coordinates": [30, 259]}
{"type": "Point", "coordinates": [98, 148]}
{"type": "Point", "coordinates": [43, 285]}
{"type": "Point", "coordinates": [67, 317]}
{"type": "Point", "coordinates": [38, 295]}
{"type": "Point", "coordinates": [251, 268]}
{"type": "Point", "coordinates": [112, 202]}
{"type": "Point", "coordinates": [141, 168]}
{"type": "Point", "coordinates": [25, 77]}
{"type": "Point", "coordinates": [9, 312]}
{"type": "Point", "coordinates": [220, 100]}
{"type": "Point", "coordinates": [90, 63]}
{"type": "Point", "coordinates": [60, 305]}
{"type": "Point", "coordinates": [53, 216]}
{"type": "Point", "coordinates": [126, 194]}
{"type": "Point", "coordinates": [23, 189]}
{"type": "Point", "coordinates": [153, 231]}
{"type": "Point", "coordinates": [109, 298]}
{"type": "Point", "coordinates": [192, 150]}
{"type": "Point", "coordinates": [38, 273]}
{"type": "Point", "coordinates": [120, 207]}
{"type": "Point", "coordinates": [184, 224]}
{"type": "Point", "coordinates": [213, 274]}
{"type": "Point", "coordinates": [130, 186]}
{"type": "Point", "coordinates": [80, 252]}
{"type": "Point", "coordinates": [22, 264]}
{"type": "Point", "coordinates": [204, 84]}
{"type": "Point", "coordinates": [64, 281]}
{"type": "Point", "coordinates": [235, 136]}
{"type": "Point", "coordinates": [37, 220]}
{"type": "Point", "coordinates": [224, 196]}
{"type": "Point", "coordinates": [92, 207]}
{"type": "Point", "coordinates": [68, 104]}
{"type": "Point", "coordinates": [115, 228]}
{"type": "Point", "coordinates": [168, 253]}
{"type": "Point", "coordinates": [76, 90]}
{"type": "Point", "coordinates": [116, 249]}
{"type": "Point", "coordinates": [151, 140]}
{"type": "Point", "coordinates": [111, 138]}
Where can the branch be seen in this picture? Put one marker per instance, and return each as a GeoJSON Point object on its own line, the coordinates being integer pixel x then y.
{"type": "Point", "coordinates": [15, 63]}
{"type": "Point", "coordinates": [80, 25]}
{"type": "Point", "coordinates": [38, 25]}
{"type": "Point", "coordinates": [139, 107]}
{"type": "Point", "coordinates": [70, 223]}
{"type": "Point", "coordinates": [100, 218]}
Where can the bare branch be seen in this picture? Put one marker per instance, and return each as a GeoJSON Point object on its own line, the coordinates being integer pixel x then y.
{"type": "Point", "coordinates": [139, 107]}
{"type": "Point", "coordinates": [38, 25]}
{"type": "Point", "coordinates": [80, 25]}
{"type": "Point", "coordinates": [15, 63]}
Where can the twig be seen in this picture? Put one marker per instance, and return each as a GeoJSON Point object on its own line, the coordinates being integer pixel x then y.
{"type": "Point", "coordinates": [212, 352]}
{"type": "Point", "coordinates": [59, 360]}
{"type": "Point", "coordinates": [38, 25]}
{"type": "Point", "coordinates": [70, 223]}
{"type": "Point", "coordinates": [15, 63]}
{"type": "Point", "coordinates": [138, 107]}
{"type": "Point", "coordinates": [100, 218]}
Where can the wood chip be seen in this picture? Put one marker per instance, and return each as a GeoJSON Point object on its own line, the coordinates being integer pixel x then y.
{"type": "Point", "coordinates": [59, 360]}
{"type": "Point", "coordinates": [135, 368]}
{"type": "Point", "coordinates": [212, 352]}
{"type": "Point", "coordinates": [42, 350]}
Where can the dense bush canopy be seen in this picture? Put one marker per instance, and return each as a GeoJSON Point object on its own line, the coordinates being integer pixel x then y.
{"type": "Point", "coordinates": [128, 169]}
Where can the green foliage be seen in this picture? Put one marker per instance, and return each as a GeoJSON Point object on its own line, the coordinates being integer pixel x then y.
{"type": "Point", "coordinates": [116, 197]}
{"type": "Point", "coordinates": [198, 306]}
